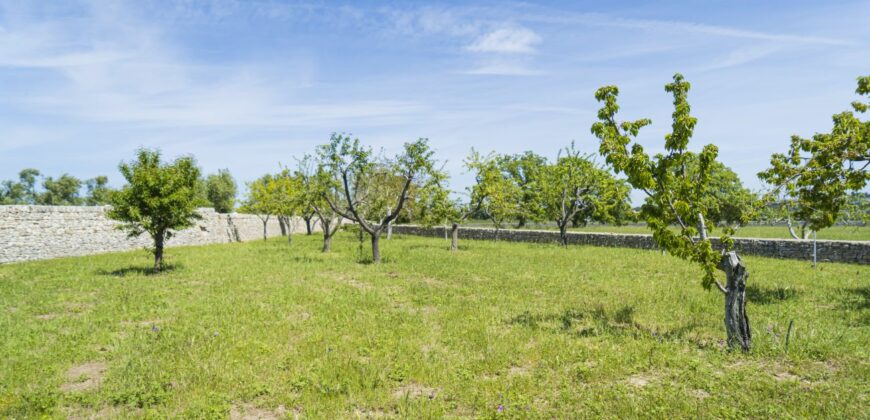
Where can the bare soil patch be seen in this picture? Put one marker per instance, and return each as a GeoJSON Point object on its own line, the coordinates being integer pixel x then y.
{"type": "Point", "coordinates": [517, 371]}
{"type": "Point", "coordinates": [84, 377]}
{"type": "Point", "coordinates": [700, 394]}
{"type": "Point", "coordinates": [370, 413]}
{"type": "Point", "coordinates": [250, 412]}
{"type": "Point", "coordinates": [640, 380]}
{"type": "Point", "coordinates": [413, 390]}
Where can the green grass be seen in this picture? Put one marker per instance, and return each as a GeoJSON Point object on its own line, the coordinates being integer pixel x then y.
{"type": "Point", "coordinates": [842, 233]}
{"type": "Point", "coordinates": [536, 329]}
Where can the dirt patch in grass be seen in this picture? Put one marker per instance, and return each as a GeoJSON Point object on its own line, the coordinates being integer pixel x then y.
{"type": "Point", "coordinates": [369, 413]}
{"type": "Point", "coordinates": [84, 377]}
{"type": "Point", "coordinates": [518, 371]}
{"type": "Point", "coordinates": [413, 390]}
{"type": "Point", "coordinates": [46, 317]}
{"type": "Point", "coordinates": [640, 380]}
{"type": "Point", "coordinates": [300, 316]}
{"type": "Point", "coordinates": [700, 394]}
{"type": "Point", "coordinates": [785, 376]}
{"type": "Point", "coordinates": [250, 412]}
{"type": "Point", "coordinates": [79, 412]}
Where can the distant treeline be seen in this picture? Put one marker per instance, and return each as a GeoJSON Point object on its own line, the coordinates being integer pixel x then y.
{"type": "Point", "coordinates": [217, 190]}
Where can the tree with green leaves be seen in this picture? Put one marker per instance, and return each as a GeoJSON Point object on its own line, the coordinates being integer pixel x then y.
{"type": "Point", "coordinates": [728, 201]}
{"type": "Point", "coordinates": [856, 211]}
{"type": "Point", "coordinates": [677, 197]}
{"type": "Point", "coordinates": [316, 182]}
{"type": "Point", "coordinates": [261, 201]}
{"type": "Point", "coordinates": [367, 196]}
{"type": "Point", "coordinates": [499, 196]}
{"type": "Point", "coordinates": [221, 191]}
{"type": "Point", "coordinates": [98, 191]}
{"type": "Point", "coordinates": [576, 186]}
{"type": "Point", "coordinates": [159, 198]}
{"type": "Point", "coordinates": [285, 190]}
{"type": "Point", "coordinates": [304, 200]}
{"type": "Point", "coordinates": [63, 191]}
{"type": "Point", "coordinates": [437, 207]}
{"type": "Point", "coordinates": [814, 178]}
{"type": "Point", "coordinates": [525, 171]}
{"type": "Point", "coordinates": [21, 192]}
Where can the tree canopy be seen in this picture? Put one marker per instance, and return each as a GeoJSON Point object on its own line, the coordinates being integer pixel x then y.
{"type": "Point", "coordinates": [159, 198]}
{"type": "Point", "coordinates": [816, 175]}
{"type": "Point", "coordinates": [221, 191]}
{"type": "Point", "coordinates": [575, 186]}
{"type": "Point", "coordinates": [374, 190]}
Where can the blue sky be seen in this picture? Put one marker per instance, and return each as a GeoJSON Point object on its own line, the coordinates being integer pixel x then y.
{"type": "Point", "coordinates": [247, 85]}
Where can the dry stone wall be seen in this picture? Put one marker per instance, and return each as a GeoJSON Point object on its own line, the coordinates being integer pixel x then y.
{"type": "Point", "coordinates": [41, 232]}
{"type": "Point", "coordinates": [832, 251]}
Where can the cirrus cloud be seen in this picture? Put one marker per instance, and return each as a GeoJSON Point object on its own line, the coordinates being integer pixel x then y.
{"type": "Point", "coordinates": [507, 41]}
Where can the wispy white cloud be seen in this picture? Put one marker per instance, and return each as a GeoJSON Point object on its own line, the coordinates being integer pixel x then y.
{"type": "Point", "coordinates": [504, 69]}
{"type": "Point", "coordinates": [109, 74]}
{"type": "Point", "coordinates": [507, 41]}
{"type": "Point", "coordinates": [742, 56]}
{"type": "Point", "coordinates": [682, 27]}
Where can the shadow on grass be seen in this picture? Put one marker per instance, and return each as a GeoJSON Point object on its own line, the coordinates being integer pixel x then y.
{"type": "Point", "coordinates": [761, 295]}
{"type": "Point", "coordinates": [856, 298]}
{"type": "Point", "coordinates": [140, 271]}
{"type": "Point", "coordinates": [583, 323]}
{"type": "Point", "coordinates": [856, 302]}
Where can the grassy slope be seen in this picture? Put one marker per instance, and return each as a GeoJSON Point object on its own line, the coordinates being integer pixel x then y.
{"type": "Point", "coordinates": [539, 330]}
{"type": "Point", "coordinates": [844, 233]}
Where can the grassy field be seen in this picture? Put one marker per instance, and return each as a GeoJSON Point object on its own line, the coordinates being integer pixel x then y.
{"type": "Point", "coordinates": [494, 330]}
{"type": "Point", "coordinates": [843, 233]}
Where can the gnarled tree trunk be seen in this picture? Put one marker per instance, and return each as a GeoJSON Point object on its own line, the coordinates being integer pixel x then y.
{"type": "Point", "coordinates": [563, 232]}
{"type": "Point", "coordinates": [328, 230]}
{"type": "Point", "coordinates": [454, 237]}
{"type": "Point", "coordinates": [736, 321]}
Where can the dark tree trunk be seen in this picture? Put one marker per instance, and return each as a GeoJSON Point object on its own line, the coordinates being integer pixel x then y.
{"type": "Point", "coordinates": [308, 225]}
{"type": "Point", "coordinates": [283, 225]}
{"type": "Point", "coordinates": [454, 237]}
{"type": "Point", "coordinates": [736, 320]}
{"type": "Point", "coordinates": [159, 241]}
{"type": "Point", "coordinates": [376, 248]}
{"type": "Point", "coordinates": [289, 231]}
{"type": "Point", "coordinates": [521, 223]}
{"type": "Point", "coordinates": [327, 242]}
{"type": "Point", "coordinates": [563, 232]}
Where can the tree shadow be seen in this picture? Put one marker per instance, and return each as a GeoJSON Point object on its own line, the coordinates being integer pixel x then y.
{"type": "Point", "coordinates": [856, 298]}
{"type": "Point", "coordinates": [139, 271]}
{"type": "Point", "coordinates": [856, 302]}
{"type": "Point", "coordinates": [582, 323]}
{"type": "Point", "coordinates": [761, 295]}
